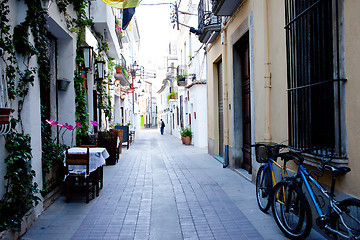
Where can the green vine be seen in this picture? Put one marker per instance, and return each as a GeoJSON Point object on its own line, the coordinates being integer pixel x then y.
{"type": "Point", "coordinates": [81, 104]}
{"type": "Point", "coordinates": [20, 191]}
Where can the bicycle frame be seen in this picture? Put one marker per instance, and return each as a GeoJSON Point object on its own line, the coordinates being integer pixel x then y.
{"type": "Point", "coordinates": [306, 177]}
{"type": "Point", "coordinates": [270, 166]}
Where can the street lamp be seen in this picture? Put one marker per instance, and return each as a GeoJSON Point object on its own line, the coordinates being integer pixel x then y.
{"type": "Point", "coordinates": [87, 54]}
{"type": "Point", "coordinates": [100, 69]}
{"type": "Point", "coordinates": [135, 66]}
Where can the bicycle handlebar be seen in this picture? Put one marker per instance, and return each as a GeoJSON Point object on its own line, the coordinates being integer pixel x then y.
{"type": "Point", "coordinates": [269, 146]}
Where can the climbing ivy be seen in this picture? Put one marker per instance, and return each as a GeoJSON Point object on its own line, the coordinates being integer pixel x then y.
{"type": "Point", "coordinates": [20, 191]}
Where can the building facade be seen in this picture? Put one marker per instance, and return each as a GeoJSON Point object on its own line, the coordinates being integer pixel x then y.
{"type": "Point", "coordinates": [271, 83]}
{"type": "Point", "coordinates": [65, 71]}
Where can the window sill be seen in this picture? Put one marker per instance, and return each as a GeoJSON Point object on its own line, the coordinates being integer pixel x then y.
{"type": "Point", "coordinates": [315, 161]}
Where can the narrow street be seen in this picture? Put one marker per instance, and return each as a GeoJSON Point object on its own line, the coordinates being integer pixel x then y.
{"type": "Point", "coordinates": [162, 190]}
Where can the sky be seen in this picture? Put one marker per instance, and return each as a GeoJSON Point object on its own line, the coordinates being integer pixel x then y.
{"type": "Point", "coordinates": [154, 28]}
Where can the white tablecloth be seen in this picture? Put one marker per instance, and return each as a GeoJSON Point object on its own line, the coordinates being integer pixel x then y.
{"type": "Point", "coordinates": [96, 159]}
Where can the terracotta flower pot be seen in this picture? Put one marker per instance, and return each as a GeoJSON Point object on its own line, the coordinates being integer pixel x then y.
{"type": "Point", "coordinates": [186, 140]}
{"type": "Point", "coordinates": [118, 70]}
{"type": "Point", "coordinates": [5, 115]}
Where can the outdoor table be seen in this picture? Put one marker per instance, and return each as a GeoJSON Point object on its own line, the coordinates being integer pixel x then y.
{"type": "Point", "coordinates": [97, 156]}
{"type": "Point", "coordinates": [96, 159]}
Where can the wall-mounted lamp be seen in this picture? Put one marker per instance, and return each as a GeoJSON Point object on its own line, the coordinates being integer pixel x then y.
{"type": "Point", "coordinates": [123, 96]}
{"type": "Point", "coordinates": [139, 82]}
{"type": "Point", "coordinates": [111, 86]}
{"type": "Point", "coordinates": [88, 55]}
{"type": "Point", "coordinates": [100, 65]}
{"type": "Point", "coordinates": [117, 82]}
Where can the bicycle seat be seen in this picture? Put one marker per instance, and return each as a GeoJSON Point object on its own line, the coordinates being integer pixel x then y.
{"type": "Point", "coordinates": [336, 171]}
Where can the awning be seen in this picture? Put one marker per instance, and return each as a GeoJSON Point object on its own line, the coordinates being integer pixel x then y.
{"type": "Point", "coordinates": [122, 3]}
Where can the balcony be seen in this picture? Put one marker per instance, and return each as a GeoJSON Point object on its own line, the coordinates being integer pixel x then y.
{"type": "Point", "coordinates": [119, 33]}
{"type": "Point", "coordinates": [208, 23]}
{"type": "Point", "coordinates": [224, 7]}
{"type": "Point", "coordinates": [181, 75]}
{"type": "Point", "coordinates": [104, 23]}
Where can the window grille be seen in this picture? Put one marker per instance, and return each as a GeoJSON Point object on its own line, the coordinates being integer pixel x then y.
{"type": "Point", "coordinates": [313, 68]}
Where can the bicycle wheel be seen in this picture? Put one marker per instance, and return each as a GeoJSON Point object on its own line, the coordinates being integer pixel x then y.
{"type": "Point", "coordinates": [263, 188]}
{"type": "Point", "coordinates": [291, 210]}
{"type": "Point", "coordinates": [351, 218]}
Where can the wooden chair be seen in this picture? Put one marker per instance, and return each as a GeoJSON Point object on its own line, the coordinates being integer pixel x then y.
{"type": "Point", "coordinates": [79, 179]}
{"type": "Point", "coordinates": [108, 140]}
{"type": "Point", "coordinates": [99, 172]}
{"type": "Point", "coordinates": [119, 146]}
{"type": "Point", "coordinates": [125, 138]}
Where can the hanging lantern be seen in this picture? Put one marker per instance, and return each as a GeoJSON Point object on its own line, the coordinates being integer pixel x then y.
{"type": "Point", "coordinates": [100, 65]}
{"type": "Point", "coordinates": [87, 54]}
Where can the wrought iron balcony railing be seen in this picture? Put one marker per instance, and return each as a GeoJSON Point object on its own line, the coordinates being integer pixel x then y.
{"type": "Point", "coordinates": [224, 7]}
{"type": "Point", "coordinates": [208, 23]}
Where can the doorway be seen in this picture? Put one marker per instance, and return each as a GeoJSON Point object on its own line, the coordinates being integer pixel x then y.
{"type": "Point", "coordinates": [220, 108]}
{"type": "Point", "coordinates": [242, 105]}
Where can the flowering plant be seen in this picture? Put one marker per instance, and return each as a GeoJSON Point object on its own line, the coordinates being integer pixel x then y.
{"type": "Point", "coordinates": [64, 127]}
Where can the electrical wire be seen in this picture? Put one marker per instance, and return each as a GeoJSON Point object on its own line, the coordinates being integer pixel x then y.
{"type": "Point", "coordinates": [154, 4]}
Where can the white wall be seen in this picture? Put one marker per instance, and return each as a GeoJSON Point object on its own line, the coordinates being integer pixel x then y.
{"type": "Point", "coordinates": [198, 100]}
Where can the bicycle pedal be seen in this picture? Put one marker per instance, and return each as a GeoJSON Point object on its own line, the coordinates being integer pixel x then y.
{"type": "Point", "coordinates": [321, 222]}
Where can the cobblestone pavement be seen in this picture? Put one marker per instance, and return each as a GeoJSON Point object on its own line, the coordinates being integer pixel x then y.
{"type": "Point", "coordinates": [162, 190]}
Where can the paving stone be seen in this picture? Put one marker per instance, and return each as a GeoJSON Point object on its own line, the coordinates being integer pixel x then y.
{"type": "Point", "coordinates": [160, 190]}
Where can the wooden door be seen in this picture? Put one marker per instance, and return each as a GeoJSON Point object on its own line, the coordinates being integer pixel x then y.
{"type": "Point", "coordinates": [246, 111]}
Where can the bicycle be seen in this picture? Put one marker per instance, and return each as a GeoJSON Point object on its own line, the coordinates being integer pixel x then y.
{"type": "Point", "coordinates": [291, 208]}
{"type": "Point", "coordinates": [268, 153]}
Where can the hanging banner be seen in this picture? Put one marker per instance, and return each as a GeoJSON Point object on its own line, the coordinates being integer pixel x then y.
{"type": "Point", "coordinates": [127, 16]}
{"type": "Point", "coordinates": [122, 3]}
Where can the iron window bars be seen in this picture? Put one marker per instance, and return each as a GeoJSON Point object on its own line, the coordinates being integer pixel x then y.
{"type": "Point", "coordinates": [315, 88]}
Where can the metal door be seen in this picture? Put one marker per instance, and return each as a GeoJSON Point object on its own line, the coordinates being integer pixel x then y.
{"type": "Point", "coordinates": [220, 108]}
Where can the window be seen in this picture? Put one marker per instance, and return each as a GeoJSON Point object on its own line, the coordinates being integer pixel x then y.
{"type": "Point", "coordinates": [315, 84]}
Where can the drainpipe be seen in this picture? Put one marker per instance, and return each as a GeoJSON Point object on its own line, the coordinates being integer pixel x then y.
{"type": "Point", "coordinates": [226, 97]}
{"type": "Point", "coordinates": [267, 74]}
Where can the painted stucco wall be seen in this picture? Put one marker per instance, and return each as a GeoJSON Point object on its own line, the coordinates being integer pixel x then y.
{"type": "Point", "coordinates": [198, 110]}
{"type": "Point", "coordinates": [349, 182]}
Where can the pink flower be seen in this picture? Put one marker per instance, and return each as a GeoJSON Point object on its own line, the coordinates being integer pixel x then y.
{"type": "Point", "coordinates": [94, 123]}
{"type": "Point", "coordinates": [51, 122]}
{"type": "Point", "coordinates": [61, 125]}
{"type": "Point", "coordinates": [70, 127]}
{"type": "Point", "coordinates": [78, 124]}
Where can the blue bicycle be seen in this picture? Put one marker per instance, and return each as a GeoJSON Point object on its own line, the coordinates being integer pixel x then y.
{"type": "Point", "coordinates": [292, 211]}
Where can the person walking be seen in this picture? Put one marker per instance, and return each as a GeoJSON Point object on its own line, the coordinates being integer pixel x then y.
{"type": "Point", "coordinates": [162, 126]}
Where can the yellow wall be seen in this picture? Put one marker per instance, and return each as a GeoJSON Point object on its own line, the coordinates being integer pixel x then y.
{"type": "Point", "coordinates": [349, 183]}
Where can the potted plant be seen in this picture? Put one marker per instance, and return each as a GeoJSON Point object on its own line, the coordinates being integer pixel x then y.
{"type": "Point", "coordinates": [5, 115]}
{"type": "Point", "coordinates": [118, 69]}
{"type": "Point", "coordinates": [186, 135]}
{"type": "Point", "coordinates": [181, 80]}
{"type": "Point", "coordinates": [121, 69]}
{"type": "Point", "coordinates": [171, 95]}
